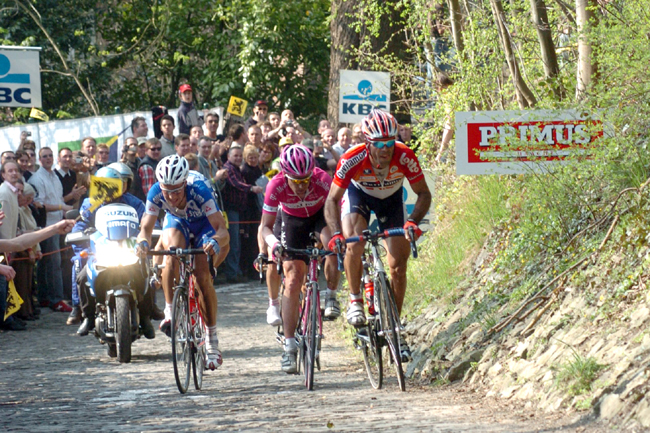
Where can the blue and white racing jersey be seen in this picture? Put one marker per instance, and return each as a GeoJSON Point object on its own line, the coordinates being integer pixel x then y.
{"type": "Point", "coordinates": [200, 201]}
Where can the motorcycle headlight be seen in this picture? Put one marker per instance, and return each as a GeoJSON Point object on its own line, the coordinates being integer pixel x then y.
{"type": "Point", "coordinates": [111, 254]}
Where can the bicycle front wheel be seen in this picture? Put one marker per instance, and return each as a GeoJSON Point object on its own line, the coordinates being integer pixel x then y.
{"type": "Point", "coordinates": [310, 338]}
{"type": "Point", "coordinates": [372, 357]}
{"type": "Point", "coordinates": [181, 348]}
{"type": "Point", "coordinates": [390, 326]}
{"type": "Point", "coordinates": [198, 349]}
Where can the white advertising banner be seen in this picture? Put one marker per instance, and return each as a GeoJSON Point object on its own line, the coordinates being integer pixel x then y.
{"type": "Point", "coordinates": [515, 142]}
{"type": "Point", "coordinates": [68, 133]}
{"type": "Point", "coordinates": [20, 77]}
{"type": "Point", "coordinates": [360, 91]}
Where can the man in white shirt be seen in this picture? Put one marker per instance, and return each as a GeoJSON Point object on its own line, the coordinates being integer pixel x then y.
{"type": "Point", "coordinates": [345, 139]}
{"type": "Point", "coordinates": [50, 195]}
{"type": "Point", "coordinates": [9, 199]}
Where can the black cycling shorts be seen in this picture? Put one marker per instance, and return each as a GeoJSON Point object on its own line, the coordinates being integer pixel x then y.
{"type": "Point", "coordinates": [293, 232]}
{"type": "Point", "coordinates": [390, 211]}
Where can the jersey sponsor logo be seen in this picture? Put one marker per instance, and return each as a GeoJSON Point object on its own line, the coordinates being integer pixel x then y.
{"type": "Point", "coordinates": [302, 204]}
{"type": "Point", "coordinates": [393, 169]}
{"type": "Point", "coordinates": [411, 164]}
{"type": "Point", "coordinates": [347, 164]}
{"type": "Point", "coordinates": [368, 171]}
{"type": "Point", "coordinates": [152, 209]}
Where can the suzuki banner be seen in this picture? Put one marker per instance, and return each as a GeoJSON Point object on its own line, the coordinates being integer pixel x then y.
{"type": "Point", "coordinates": [514, 142]}
{"type": "Point", "coordinates": [20, 77]}
{"type": "Point", "coordinates": [360, 91]}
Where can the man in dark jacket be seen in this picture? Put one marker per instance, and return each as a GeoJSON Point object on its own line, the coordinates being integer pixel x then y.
{"type": "Point", "coordinates": [235, 198]}
{"type": "Point", "coordinates": [188, 116]}
{"type": "Point", "coordinates": [145, 175]}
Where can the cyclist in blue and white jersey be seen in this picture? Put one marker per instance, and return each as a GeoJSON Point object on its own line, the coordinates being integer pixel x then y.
{"type": "Point", "coordinates": [190, 209]}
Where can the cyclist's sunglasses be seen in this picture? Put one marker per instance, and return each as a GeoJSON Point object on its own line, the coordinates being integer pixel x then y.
{"type": "Point", "coordinates": [304, 181]}
{"type": "Point", "coordinates": [381, 144]}
{"type": "Point", "coordinates": [172, 191]}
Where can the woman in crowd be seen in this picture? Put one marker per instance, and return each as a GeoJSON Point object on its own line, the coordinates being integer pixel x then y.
{"type": "Point", "coordinates": [24, 261]}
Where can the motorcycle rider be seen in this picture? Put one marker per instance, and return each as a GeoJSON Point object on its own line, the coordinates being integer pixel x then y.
{"type": "Point", "coordinates": [87, 301]}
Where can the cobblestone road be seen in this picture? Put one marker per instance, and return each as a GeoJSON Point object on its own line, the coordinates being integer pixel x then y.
{"type": "Point", "coordinates": [52, 380]}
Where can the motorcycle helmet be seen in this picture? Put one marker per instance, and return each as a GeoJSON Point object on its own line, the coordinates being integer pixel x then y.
{"type": "Point", "coordinates": [125, 171]}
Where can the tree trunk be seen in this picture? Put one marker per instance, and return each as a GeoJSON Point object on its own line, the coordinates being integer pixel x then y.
{"type": "Point", "coordinates": [391, 42]}
{"type": "Point", "coordinates": [549, 58]}
{"type": "Point", "coordinates": [525, 97]}
{"type": "Point", "coordinates": [344, 38]}
{"type": "Point", "coordinates": [456, 19]}
{"type": "Point", "coordinates": [586, 69]}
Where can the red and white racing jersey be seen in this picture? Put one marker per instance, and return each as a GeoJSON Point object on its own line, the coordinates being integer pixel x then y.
{"type": "Point", "coordinates": [355, 166]}
{"type": "Point", "coordinates": [279, 192]}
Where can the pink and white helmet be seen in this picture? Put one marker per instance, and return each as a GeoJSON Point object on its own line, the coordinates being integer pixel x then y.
{"type": "Point", "coordinates": [297, 161]}
{"type": "Point", "coordinates": [379, 125]}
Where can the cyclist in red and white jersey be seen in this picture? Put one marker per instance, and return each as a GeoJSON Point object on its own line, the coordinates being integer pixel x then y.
{"type": "Point", "coordinates": [369, 178]}
{"type": "Point", "coordinates": [293, 208]}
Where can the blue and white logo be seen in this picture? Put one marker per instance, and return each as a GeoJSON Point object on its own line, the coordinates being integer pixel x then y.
{"type": "Point", "coordinates": [360, 92]}
{"type": "Point", "coordinates": [20, 79]}
{"type": "Point", "coordinates": [6, 77]}
{"type": "Point", "coordinates": [365, 93]}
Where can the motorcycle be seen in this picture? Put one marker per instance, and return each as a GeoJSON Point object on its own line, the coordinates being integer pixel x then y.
{"type": "Point", "coordinates": [117, 278]}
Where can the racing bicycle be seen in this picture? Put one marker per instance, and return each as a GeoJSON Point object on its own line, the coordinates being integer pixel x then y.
{"type": "Point", "coordinates": [383, 327]}
{"type": "Point", "coordinates": [310, 323]}
{"type": "Point", "coordinates": [188, 330]}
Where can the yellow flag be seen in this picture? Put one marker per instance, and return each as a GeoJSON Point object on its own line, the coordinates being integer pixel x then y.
{"type": "Point", "coordinates": [13, 300]}
{"type": "Point", "coordinates": [103, 189]}
{"type": "Point", "coordinates": [237, 106]}
{"type": "Point", "coordinates": [38, 114]}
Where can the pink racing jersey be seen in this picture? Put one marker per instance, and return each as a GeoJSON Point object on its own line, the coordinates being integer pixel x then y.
{"type": "Point", "coordinates": [278, 192]}
{"type": "Point", "coordinates": [355, 167]}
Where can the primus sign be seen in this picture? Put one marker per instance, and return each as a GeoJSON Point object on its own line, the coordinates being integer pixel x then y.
{"type": "Point", "coordinates": [361, 91]}
{"type": "Point", "coordinates": [511, 142]}
{"type": "Point", "coordinates": [20, 77]}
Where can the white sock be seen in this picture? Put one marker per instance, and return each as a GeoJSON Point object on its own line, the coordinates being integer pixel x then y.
{"type": "Point", "coordinates": [290, 344]}
{"type": "Point", "coordinates": [355, 298]}
{"type": "Point", "coordinates": [274, 302]}
{"type": "Point", "coordinates": [331, 294]}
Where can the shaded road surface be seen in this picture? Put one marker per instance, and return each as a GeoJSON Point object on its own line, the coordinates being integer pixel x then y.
{"type": "Point", "coordinates": [52, 380]}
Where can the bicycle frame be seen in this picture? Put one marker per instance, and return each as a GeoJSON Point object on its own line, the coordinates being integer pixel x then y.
{"type": "Point", "coordinates": [385, 323]}
{"type": "Point", "coordinates": [310, 324]}
{"type": "Point", "coordinates": [192, 336]}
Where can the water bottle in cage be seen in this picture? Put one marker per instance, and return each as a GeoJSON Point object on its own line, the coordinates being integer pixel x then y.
{"type": "Point", "coordinates": [369, 288]}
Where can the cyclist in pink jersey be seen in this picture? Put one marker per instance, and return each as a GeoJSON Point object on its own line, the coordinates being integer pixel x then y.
{"type": "Point", "coordinates": [369, 178]}
{"type": "Point", "coordinates": [293, 208]}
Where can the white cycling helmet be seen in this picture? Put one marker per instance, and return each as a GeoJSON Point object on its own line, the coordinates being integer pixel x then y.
{"type": "Point", "coordinates": [172, 170]}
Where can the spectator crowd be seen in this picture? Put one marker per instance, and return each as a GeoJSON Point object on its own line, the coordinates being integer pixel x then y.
{"type": "Point", "coordinates": [36, 193]}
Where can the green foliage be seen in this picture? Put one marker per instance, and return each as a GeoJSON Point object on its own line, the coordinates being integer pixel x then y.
{"type": "Point", "coordinates": [577, 375]}
{"type": "Point", "coordinates": [466, 212]}
{"type": "Point", "coordinates": [135, 54]}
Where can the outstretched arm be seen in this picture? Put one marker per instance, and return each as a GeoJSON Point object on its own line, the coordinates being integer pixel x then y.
{"type": "Point", "coordinates": [25, 241]}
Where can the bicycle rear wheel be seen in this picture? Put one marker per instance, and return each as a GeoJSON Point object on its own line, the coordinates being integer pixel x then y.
{"type": "Point", "coordinates": [372, 357]}
{"type": "Point", "coordinates": [181, 349]}
{"type": "Point", "coordinates": [310, 338]}
{"type": "Point", "coordinates": [390, 325]}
